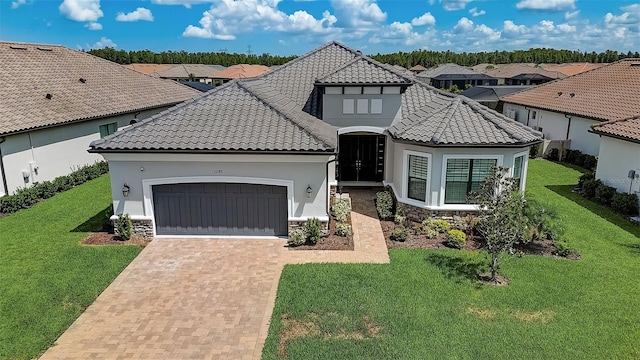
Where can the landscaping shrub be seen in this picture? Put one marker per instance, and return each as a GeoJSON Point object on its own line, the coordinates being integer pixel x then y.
{"type": "Point", "coordinates": [580, 157]}
{"type": "Point", "coordinates": [543, 221]}
{"type": "Point", "coordinates": [590, 162]}
{"type": "Point", "coordinates": [561, 248]}
{"type": "Point", "coordinates": [456, 239]}
{"type": "Point", "coordinates": [589, 187]}
{"type": "Point", "coordinates": [399, 219]}
{"type": "Point", "coordinates": [441, 226]}
{"type": "Point", "coordinates": [25, 198]}
{"type": "Point", "coordinates": [312, 230]}
{"type": "Point", "coordinates": [341, 209]}
{"type": "Point", "coordinates": [554, 154]}
{"type": "Point", "coordinates": [625, 204]}
{"type": "Point", "coordinates": [384, 204]}
{"type": "Point", "coordinates": [604, 194]}
{"type": "Point", "coordinates": [533, 151]}
{"type": "Point", "coordinates": [297, 237]}
{"type": "Point", "coordinates": [428, 228]}
{"type": "Point", "coordinates": [400, 234]}
{"type": "Point", "coordinates": [123, 226]}
{"type": "Point", "coordinates": [585, 177]}
{"type": "Point", "coordinates": [343, 229]}
{"type": "Point", "coordinates": [570, 156]}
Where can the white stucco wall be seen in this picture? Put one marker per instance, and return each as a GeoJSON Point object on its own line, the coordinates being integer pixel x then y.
{"type": "Point", "coordinates": [616, 158]}
{"type": "Point", "coordinates": [435, 193]}
{"type": "Point", "coordinates": [55, 151]}
{"type": "Point", "coordinates": [556, 126]}
{"type": "Point", "coordinates": [140, 170]}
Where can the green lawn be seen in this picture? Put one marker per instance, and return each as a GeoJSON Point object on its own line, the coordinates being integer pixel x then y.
{"type": "Point", "coordinates": [426, 304]}
{"type": "Point", "coordinates": [47, 278]}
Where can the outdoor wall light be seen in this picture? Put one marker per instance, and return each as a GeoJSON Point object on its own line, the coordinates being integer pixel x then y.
{"type": "Point", "coordinates": [309, 191]}
{"type": "Point", "coordinates": [125, 190]}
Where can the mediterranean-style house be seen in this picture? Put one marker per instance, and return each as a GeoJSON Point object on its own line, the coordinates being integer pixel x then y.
{"type": "Point", "coordinates": [448, 75]}
{"type": "Point", "coordinates": [565, 110]}
{"type": "Point", "coordinates": [55, 101]}
{"type": "Point", "coordinates": [258, 156]}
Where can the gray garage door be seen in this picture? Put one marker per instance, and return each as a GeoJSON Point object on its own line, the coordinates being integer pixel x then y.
{"type": "Point", "coordinates": [220, 209]}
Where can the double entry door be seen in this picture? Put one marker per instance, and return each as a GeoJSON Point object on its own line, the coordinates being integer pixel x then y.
{"type": "Point", "coordinates": [361, 158]}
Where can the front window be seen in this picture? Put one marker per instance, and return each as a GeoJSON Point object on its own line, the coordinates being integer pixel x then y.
{"type": "Point", "coordinates": [518, 170]}
{"type": "Point", "coordinates": [464, 176]}
{"type": "Point", "coordinates": [417, 179]}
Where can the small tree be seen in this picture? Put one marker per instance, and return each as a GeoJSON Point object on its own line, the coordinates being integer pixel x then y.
{"type": "Point", "coordinates": [502, 222]}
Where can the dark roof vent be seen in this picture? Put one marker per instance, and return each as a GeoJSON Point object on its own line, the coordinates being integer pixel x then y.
{"type": "Point", "coordinates": [83, 80]}
{"type": "Point", "coordinates": [49, 96]}
{"type": "Point", "coordinates": [572, 94]}
{"type": "Point", "coordinates": [44, 49]}
{"type": "Point", "coordinates": [559, 93]}
{"type": "Point", "coordinates": [17, 48]}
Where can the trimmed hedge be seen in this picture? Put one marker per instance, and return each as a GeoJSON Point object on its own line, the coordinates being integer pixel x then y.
{"type": "Point", "coordinates": [27, 197]}
{"type": "Point", "coordinates": [595, 190]}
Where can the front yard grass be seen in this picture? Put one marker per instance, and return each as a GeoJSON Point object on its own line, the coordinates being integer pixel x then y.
{"type": "Point", "coordinates": [47, 278]}
{"type": "Point", "coordinates": [427, 304]}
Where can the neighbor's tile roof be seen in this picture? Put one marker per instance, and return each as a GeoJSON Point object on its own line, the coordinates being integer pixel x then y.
{"type": "Point", "coordinates": [611, 92]}
{"type": "Point", "coordinates": [508, 71]}
{"type": "Point", "coordinates": [281, 110]}
{"type": "Point", "coordinates": [81, 86]}
{"type": "Point", "coordinates": [570, 69]}
{"type": "Point", "coordinates": [418, 68]}
{"type": "Point", "coordinates": [454, 121]}
{"type": "Point", "coordinates": [241, 71]}
{"type": "Point", "coordinates": [362, 71]}
{"type": "Point", "coordinates": [452, 71]}
{"type": "Point", "coordinates": [183, 71]}
{"type": "Point", "coordinates": [150, 69]}
{"type": "Point", "coordinates": [628, 129]}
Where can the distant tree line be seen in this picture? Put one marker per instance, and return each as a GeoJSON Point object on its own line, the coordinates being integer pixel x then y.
{"type": "Point", "coordinates": [425, 58]}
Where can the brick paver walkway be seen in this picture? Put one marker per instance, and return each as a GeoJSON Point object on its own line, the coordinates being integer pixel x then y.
{"type": "Point", "coordinates": [202, 298]}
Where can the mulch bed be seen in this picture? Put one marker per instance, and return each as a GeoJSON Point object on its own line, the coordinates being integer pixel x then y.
{"type": "Point", "coordinates": [332, 241]}
{"type": "Point", "coordinates": [421, 241]}
{"type": "Point", "coordinates": [106, 238]}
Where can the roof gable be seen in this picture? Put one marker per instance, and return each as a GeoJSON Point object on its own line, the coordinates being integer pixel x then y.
{"type": "Point", "coordinates": [364, 71]}
{"type": "Point", "coordinates": [80, 86]}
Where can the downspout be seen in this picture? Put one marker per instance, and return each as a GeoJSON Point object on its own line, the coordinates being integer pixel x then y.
{"type": "Point", "coordinates": [4, 179]}
{"type": "Point", "coordinates": [568, 126]}
{"type": "Point", "coordinates": [326, 205]}
{"type": "Point", "coordinates": [528, 115]}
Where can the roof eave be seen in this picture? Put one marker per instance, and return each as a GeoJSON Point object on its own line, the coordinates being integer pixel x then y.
{"type": "Point", "coordinates": [619, 137]}
{"type": "Point", "coordinates": [213, 151]}
{"type": "Point", "coordinates": [475, 145]}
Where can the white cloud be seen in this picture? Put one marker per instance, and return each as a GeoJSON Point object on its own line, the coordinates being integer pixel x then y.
{"type": "Point", "coordinates": [227, 18]}
{"type": "Point", "coordinates": [185, 3]}
{"type": "Point", "coordinates": [546, 5]}
{"type": "Point", "coordinates": [451, 5]}
{"type": "Point", "coordinates": [463, 25]}
{"type": "Point", "coordinates": [487, 32]}
{"type": "Point", "coordinates": [81, 10]}
{"type": "Point", "coordinates": [510, 29]}
{"type": "Point", "coordinates": [16, 4]}
{"type": "Point", "coordinates": [363, 15]}
{"type": "Point", "coordinates": [628, 21]}
{"type": "Point", "coordinates": [571, 15]}
{"type": "Point", "coordinates": [103, 43]}
{"type": "Point", "coordinates": [565, 28]}
{"type": "Point", "coordinates": [425, 19]}
{"type": "Point", "coordinates": [93, 26]}
{"type": "Point", "coordinates": [137, 15]}
{"type": "Point", "coordinates": [398, 33]}
{"type": "Point", "coordinates": [474, 12]}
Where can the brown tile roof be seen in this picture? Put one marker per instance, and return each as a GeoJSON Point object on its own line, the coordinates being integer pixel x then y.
{"type": "Point", "coordinates": [507, 71]}
{"type": "Point", "coordinates": [241, 71]}
{"type": "Point", "coordinates": [46, 85]}
{"type": "Point", "coordinates": [611, 92]}
{"type": "Point", "coordinates": [418, 68]}
{"type": "Point", "coordinates": [570, 69]}
{"type": "Point", "coordinates": [150, 69]}
{"type": "Point", "coordinates": [626, 129]}
{"type": "Point", "coordinates": [182, 71]}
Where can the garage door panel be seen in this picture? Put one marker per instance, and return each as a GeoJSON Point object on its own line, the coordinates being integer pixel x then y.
{"type": "Point", "coordinates": [220, 209]}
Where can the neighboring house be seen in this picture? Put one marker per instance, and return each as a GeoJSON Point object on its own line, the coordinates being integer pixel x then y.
{"type": "Point", "coordinates": [448, 75]}
{"type": "Point", "coordinates": [200, 86]}
{"type": "Point", "coordinates": [258, 156]}
{"type": "Point", "coordinates": [491, 96]}
{"type": "Point", "coordinates": [240, 71]}
{"type": "Point", "coordinates": [565, 109]}
{"type": "Point", "coordinates": [150, 69]}
{"type": "Point", "coordinates": [570, 69]}
{"type": "Point", "coordinates": [415, 70]}
{"type": "Point", "coordinates": [619, 155]}
{"type": "Point", "coordinates": [192, 72]}
{"type": "Point", "coordinates": [55, 101]}
{"type": "Point", "coordinates": [518, 73]}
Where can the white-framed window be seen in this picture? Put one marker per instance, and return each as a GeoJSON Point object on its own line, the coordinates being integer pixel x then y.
{"type": "Point", "coordinates": [463, 174]}
{"type": "Point", "coordinates": [416, 176]}
{"type": "Point", "coordinates": [519, 168]}
{"type": "Point", "coordinates": [348, 106]}
{"type": "Point", "coordinates": [362, 106]}
{"type": "Point", "coordinates": [376, 106]}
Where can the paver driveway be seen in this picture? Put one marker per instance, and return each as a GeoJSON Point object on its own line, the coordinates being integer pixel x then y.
{"type": "Point", "coordinates": [202, 298]}
{"type": "Point", "coordinates": [182, 299]}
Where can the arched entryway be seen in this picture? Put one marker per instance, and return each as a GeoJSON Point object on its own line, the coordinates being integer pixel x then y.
{"type": "Point", "coordinates": [361, 156]}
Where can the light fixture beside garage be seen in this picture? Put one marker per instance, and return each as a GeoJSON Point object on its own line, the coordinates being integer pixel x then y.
{"type": "Point", "coordinates": [309, 191]}
{"type": "Point", "coordinates": [125, 190]}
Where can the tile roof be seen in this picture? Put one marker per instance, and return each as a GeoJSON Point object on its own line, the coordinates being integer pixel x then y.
{"type": "Point", "coordinates": [150, 69]}
{"type": "Point", "coordinates": [460, 121]}
{"type": "Point", "coordinates": [418, 68]}
{"type": "Point", "coordinates": [508, 71]}
{"type": "Point", "coordinates": [241, 71]}
{"type": "Point", "coordinates": [182, 71]}
{"type": "Point", "coordinates": [570, 69]}
{"type": "Point", "coordinates": [626, 129]}
{"type": "Point", "coordinates": [451, 71]}
{"type": "Point", "coordinates": [280, 111]}
{"type": "Point", "coordinates": [611, 92]}
{"type": "Point", "coordinates": [81, 86]}
{"type": "Point", "coordinates": [492, 93]}
{"type": "Point", "coordinates": [363, 70]}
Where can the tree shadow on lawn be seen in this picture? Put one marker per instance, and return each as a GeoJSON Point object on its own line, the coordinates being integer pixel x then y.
{"type": "Point", "coordinates": [98, 222]}
{"type": "Point", "coordinates": [457, 268]}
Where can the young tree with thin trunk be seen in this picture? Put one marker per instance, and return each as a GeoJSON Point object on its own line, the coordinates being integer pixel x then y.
{"type": "Point", "coordinates": [502, 222]}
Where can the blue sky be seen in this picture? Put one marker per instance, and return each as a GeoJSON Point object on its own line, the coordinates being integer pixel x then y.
{"type": "Point", "coordinates": [288, 27]}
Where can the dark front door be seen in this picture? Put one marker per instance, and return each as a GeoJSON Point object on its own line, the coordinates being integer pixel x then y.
{"type": "Point", "coordinates": [361, 158]}
{"type": "Point", "coordinates": [220, 209]}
